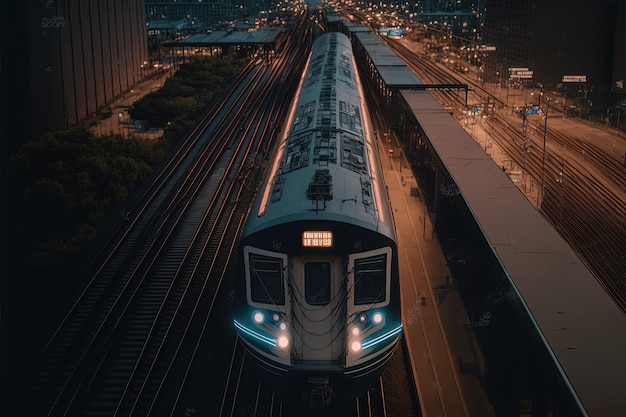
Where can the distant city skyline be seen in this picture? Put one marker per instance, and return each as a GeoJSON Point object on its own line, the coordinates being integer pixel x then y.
{"type": "Point", "coordinates": [75, 70]}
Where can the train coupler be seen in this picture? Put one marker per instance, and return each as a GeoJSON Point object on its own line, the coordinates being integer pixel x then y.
{"type": "Point", "coordinates": [319, 392]}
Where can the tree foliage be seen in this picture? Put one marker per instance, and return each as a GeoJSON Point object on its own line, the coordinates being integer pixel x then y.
{"type": "Point", "coordinates": [188, 92]}
{"type": "Point", "coordinates": [65, 183]}
{"type": "Point", "coordinates": [68, 181]}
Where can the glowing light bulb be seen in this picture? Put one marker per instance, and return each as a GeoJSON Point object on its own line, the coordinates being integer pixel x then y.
{"type": "Point", "coordinates": [258, 317]}
{"type": "Point", "coordinates": [377, 318]}
{"type": "Point", "coordinates": [282, 342]}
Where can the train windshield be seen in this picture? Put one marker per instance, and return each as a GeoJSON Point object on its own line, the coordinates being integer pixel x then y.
{"type": "Point", "coordinates": [370, 279]}
{"type": "Point", "coordinates": [266, 279]}
{"type": "Point", "coordinates": [317, 283]}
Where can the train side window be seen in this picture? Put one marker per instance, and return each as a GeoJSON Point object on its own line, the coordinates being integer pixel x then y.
{"type": "Point", "coordinates": [266, 280]}
{"type": "Point", "coordinates": [317, 283]}
{"type": "Point", "coordinates": [370, 279]}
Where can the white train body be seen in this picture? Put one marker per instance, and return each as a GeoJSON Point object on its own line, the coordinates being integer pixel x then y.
{"type": "Point", "coordinates": [318, 300]}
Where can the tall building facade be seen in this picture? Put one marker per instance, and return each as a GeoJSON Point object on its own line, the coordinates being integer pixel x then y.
{"type": "Point", "coordinates": [429, 6]}
{"type": "Point", "coordinates": [207, 12]}
{"type": "Point", "coordinates": [507, 27]}
{"type": "Point", "coordinates": [557, 38]}
{"type": "Point", "coordinates": [82, 54]}
{"type": "Point", "coordinates": [619, 62]}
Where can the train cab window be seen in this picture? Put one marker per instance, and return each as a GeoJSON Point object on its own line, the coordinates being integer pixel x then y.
{"type": "Point", "coordinates": [370, 279]}
{"type": "Point", "coordinates": [266, 279]}
{"type": "Point", "coordinates": [317, 283]}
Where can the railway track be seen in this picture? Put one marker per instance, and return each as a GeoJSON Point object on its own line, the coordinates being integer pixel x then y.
{"type": "Point", "coordinates": [584, 194]}
{"type": "Point", "coordinates": [583, 206]}
{"type": "Point", "coordinates": [125, 343]}
{"type": "Point", "coordinates": [247, 395]}
{"type": "Point", "coordinates": [244, 394]}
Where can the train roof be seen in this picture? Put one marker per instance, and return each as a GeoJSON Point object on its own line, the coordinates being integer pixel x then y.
{"type": "Point", "coordinates": [327, 166]}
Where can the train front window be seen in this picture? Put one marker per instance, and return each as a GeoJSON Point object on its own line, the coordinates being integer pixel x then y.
{"type": "Point", "coordinates": [369, 279]}
{"type": "Point", "coordinates": [317, 283]}
{"type": "Point", "coordinates": [266, 279]}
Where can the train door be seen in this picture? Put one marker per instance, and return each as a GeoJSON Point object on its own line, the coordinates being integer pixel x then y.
{"type": "Point", "coordinates": [318, 316]}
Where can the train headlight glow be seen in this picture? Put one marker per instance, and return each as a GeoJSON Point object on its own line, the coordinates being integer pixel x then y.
{"type": "Point", "coordinates": [385, 337]}
{"type": "Point", "coordinates": [282, 342]}
{"type": "Point", "coordinates": [283, 326]}
{"type": "Point", "coordinates": [258, 317]}
{"type": "Point", "coordinates": [355, 331]}
{"type": "Point", "coordinates": [255, 335]}
{"type": "Point", "coordinates": [377, 318]}
{"type": "Point", "coordinates": [276, 316]}
{"type": "Point", "coordinates": [362, 318]}
{"type": "Point", "coordinates": [355, 346]}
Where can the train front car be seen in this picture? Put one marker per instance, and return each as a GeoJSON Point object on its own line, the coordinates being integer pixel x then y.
{"type": "Point", "coordinates": [319, 305]}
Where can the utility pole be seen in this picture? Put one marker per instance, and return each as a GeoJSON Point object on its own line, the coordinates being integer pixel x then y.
{"type": "Point", "coordinates": [543, 158]}
{"type": "Point", "coordinates": [525, 146]}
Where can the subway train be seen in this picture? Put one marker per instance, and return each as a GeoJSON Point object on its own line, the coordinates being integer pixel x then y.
{"type": "Point", "coordinates": [317, 301]}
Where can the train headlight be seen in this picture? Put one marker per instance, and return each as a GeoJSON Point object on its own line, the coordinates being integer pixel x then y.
{"type": "Point", "coordinates": [258, 317]}
{"type": "Point", "coordinates": [282, 342]}
{"type": "Point", "coordinates": [276, 316]}
{"type": "Point", "coordinates": [377, 318]}
{"type": "Point", "coordinates": [355, 339]}
{"type": "Point", "coordinates": [362, 318]}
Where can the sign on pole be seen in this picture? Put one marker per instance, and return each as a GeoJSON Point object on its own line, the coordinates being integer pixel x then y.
{"type": "Point", "coordinates": [574, 79]}
{"type": "Point", "coordinates": [525, 73]}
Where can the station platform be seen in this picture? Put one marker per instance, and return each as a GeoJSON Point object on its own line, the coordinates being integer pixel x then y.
{"type": "Point", "coordinates": [118, 120]}
{"type": "Point", "coordinates": [445, 360]}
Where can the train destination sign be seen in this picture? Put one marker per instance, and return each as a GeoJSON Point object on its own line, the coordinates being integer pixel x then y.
{"type": "Point", "coordinates": [317, 239]}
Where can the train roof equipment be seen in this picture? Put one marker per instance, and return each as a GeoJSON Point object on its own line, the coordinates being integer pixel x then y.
{"type": "Point", "coordinates": [327, 167]}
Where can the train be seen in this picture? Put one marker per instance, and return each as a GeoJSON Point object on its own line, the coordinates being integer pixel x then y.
{"type": "Point", "coordinates": [317, 300]}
